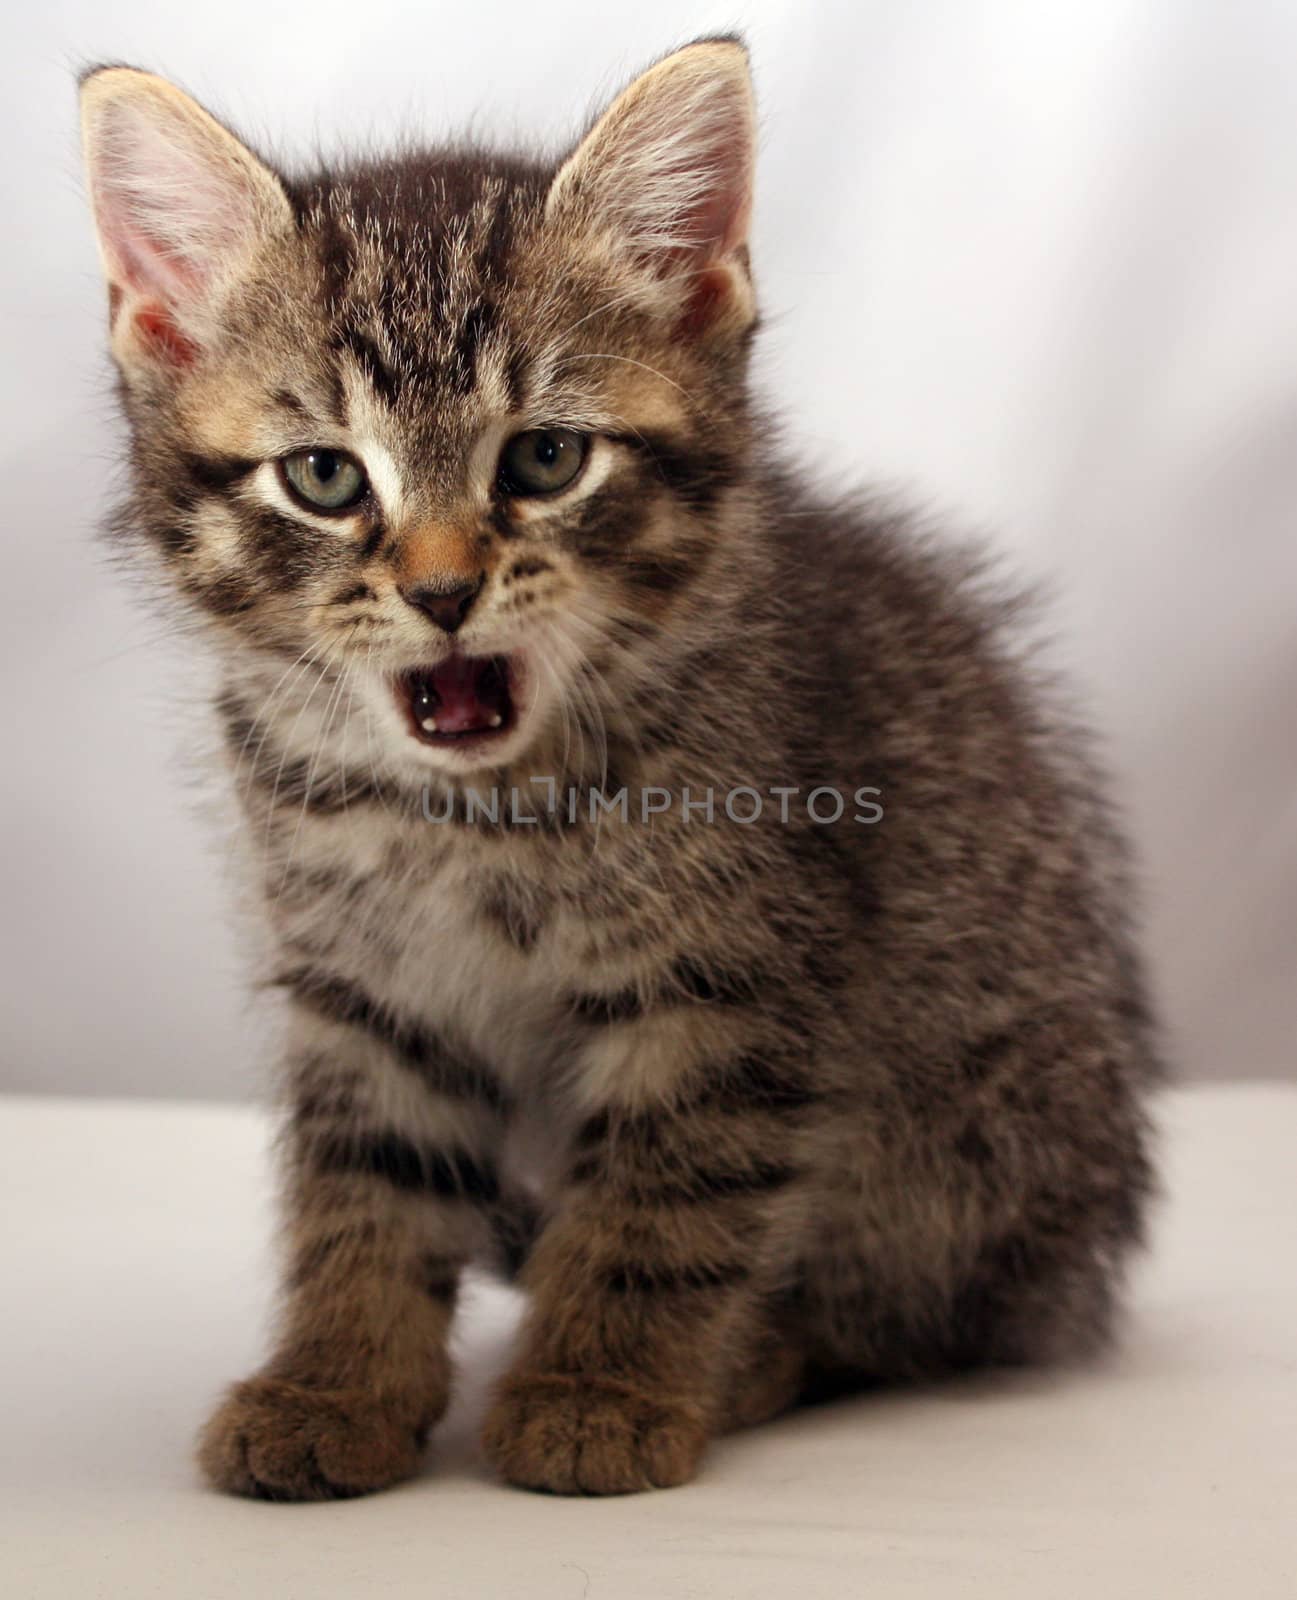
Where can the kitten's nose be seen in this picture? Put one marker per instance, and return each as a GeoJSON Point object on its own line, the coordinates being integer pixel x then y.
{"type": "Point", "coordinates": [446, 606]}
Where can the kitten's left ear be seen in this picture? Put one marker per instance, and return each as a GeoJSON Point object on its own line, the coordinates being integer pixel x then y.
{"type": "Point", "coordinates": [664, 179]}
{"type": "Point", "coordinates": [180, 206]}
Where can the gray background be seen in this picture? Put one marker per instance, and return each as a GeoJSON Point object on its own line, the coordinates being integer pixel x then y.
{"type": "Point", "coordinates": [1037, 260]}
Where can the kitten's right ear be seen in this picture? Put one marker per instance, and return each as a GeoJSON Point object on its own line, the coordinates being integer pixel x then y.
{"type": "Point", "coordinates": [180, 206]}
{"type": "Point", "coordinates": [665, 179]}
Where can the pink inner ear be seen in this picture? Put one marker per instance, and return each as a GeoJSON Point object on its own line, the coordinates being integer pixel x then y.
{"type": "Point", "coordinates": [145, 262]}
{"type": "Point", "coordinates": [718, 221]}
{"type": "Point", "coordinates": [144, 265]}
{"type": "Point", "coordinates": [152, 280]}
{"type": "Point", "coordinates": [158, 328]}
{"type": "Point", "coordinates": [708, 294]}
{"type": "Point", "coordinates": [713, 223]}
{"type": "Point", "coordinates": [171, 202]}
{"type": "Point", "coordinates": [155, 326]}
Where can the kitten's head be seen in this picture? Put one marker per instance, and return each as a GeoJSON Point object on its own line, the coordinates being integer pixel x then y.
{"type": "Point", "coordinates": [464, 425]}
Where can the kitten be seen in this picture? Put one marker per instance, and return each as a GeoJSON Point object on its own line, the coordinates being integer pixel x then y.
{"type": "Point", "coordinates": [679, 888]}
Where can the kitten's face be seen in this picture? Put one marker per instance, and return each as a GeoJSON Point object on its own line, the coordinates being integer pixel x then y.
{"type": "Point", "coordinates": [454, 428]}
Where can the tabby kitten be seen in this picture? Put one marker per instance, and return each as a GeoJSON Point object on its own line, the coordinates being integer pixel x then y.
{"type": "Point", "coordinates": [453, 455]}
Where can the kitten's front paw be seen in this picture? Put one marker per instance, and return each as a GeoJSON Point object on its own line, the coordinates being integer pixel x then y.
{"type": "Point", "coordinates": [580, 1435]}
{"type": "Point", "coordinates": [282, 1441]}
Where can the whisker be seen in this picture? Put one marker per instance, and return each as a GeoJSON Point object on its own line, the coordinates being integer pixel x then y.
{"type": "Point", "coordinates": [330, 711]}
{"type": "Point", "coordinates": [604, 355]}
{"type": "Point", "coordinates": [264, 712]}
{"type": "Point", "coordinates": [369, 741]}
{"type": "Point", "coordinates": [283, 760]}
{"type": "Point", "coordinates": [626, 296]}
{"type": "Point", "coordinates": [342, 739]}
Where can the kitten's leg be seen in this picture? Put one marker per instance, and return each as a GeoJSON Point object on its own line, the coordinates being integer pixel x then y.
{"type": "Point", "coordinates": [387, 1184]}
{"type": "Point", "coordinates": [649, 1285]}
{"type": "Point", "coordinates": [771, 1379]}
{"type": "Point", "coordinates": [996, 1233]}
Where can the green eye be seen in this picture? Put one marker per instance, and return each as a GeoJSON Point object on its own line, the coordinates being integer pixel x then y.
{"type": "Point", "coordinates": [324, 480]}
{"type": "Point", "coordinates": [542, 460]}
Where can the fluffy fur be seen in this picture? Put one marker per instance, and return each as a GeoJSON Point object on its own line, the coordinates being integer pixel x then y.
{"type": "Point", "coordinates": [758, 1108]}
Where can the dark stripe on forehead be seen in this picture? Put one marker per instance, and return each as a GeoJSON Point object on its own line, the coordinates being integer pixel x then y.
{"type": "Point", "coordinates": [478, 325]}
{"type": "Point", "coordinates": [387, 304]}
{"type": "Point", "coordinates": [286, 400]}
{"type": "Point", "coordinates": [337, 401]}
{"type": "Point", "coordinates": [493, 257]}
{"type": "Point", "coordinates": [384, 381]}
{"type": "Point", "coordinates": [515, 376]}
{"type": "Point", "coordinates": [337, 261]}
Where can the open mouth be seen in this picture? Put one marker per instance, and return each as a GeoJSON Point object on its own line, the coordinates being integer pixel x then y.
{"type": "Point", "coordinates": [462, 700]}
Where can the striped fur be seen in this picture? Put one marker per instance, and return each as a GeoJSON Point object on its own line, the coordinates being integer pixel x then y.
{"type": "Point", "coordinates": [756, 1108]}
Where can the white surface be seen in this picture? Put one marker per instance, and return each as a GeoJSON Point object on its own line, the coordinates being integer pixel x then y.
{"type": "Point", "coordinates": [134, 1267]}
{"type": "Point", "coordinates": [1036, 259]}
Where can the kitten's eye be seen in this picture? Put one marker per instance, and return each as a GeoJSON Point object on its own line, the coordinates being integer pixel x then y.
{"type": "Point", "coordinates": [324, 480]}
{"type": "Point", "coordinates": [542, 460]}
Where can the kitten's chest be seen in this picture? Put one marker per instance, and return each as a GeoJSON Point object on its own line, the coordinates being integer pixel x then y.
{"type": "Point", "coordinates": [486, 940]}
{"type": "Point", "coordinates": [457, 966]}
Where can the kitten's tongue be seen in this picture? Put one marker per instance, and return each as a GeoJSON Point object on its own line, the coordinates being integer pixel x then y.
{"type": "Point", "coordinates": [459, 708]}
{"type": "Point", "coordinates": [463, 694]}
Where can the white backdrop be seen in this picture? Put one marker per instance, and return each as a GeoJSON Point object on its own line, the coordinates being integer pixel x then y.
{"type": "Point", "coordinates": [1038, 261]}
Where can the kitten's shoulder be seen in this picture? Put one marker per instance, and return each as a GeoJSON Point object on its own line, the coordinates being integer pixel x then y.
{"type": "Point", "coordinates": [873, 565]}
